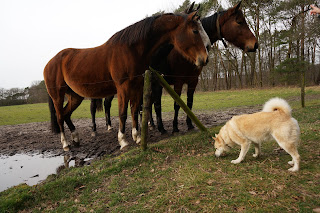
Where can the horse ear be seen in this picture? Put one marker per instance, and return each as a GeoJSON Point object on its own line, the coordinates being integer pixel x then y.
{"type": "Point", "coordinates": [193, 16]}
{"type": "Point", "coordinates": [189, 9]}
{"type": "Point", "coordinates": [237, 6]}
{"type": "Point", "coordinates": [198, 7]}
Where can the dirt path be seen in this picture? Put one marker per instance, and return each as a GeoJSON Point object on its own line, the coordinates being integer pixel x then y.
{"type": "Point", "coordinates": [37, 137]}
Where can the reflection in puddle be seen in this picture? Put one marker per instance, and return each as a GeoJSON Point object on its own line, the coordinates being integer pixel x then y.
{"type": "Point", "coordinates": [31, 169]}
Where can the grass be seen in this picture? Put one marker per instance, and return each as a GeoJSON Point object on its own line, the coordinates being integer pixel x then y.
{"type": "Point", "coordinates": [181, 174]}
{"type": "Point", "coordinates": [12, 115]}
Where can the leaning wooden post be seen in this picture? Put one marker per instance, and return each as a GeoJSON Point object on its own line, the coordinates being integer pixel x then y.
{"type": "Point", "coordinates": [145, 109]}
{"type": "Point", "coordinates": [179, 101]}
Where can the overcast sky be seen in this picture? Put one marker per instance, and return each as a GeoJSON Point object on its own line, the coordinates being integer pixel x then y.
{"type": "Point", "coordinates": [33, 31]}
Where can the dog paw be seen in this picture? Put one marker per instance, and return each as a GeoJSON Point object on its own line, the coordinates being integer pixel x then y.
{"type": "Point", "coordinates": [291, 162]}
{"type": "Point", "coordinates": [235, 161]}
{"type": "Point", "coordinates": [293, 169]}
{"type": "Point", "coordinates": [255, 155]}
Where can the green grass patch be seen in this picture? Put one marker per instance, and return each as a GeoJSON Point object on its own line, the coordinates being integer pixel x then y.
{"type": "Point", "coordinates": [181, 174]}
{"type": "Point", "coordinates": [12, 115]}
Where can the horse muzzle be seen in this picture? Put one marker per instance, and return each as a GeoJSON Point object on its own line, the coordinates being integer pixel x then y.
{"type": "Point", "coordinates": [252, 48]}
{"type": "Point", "coordinates": [202, 61]}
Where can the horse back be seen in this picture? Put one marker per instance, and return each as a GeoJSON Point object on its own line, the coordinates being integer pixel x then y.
{"type": "Point", "coordinates": [82, 70]}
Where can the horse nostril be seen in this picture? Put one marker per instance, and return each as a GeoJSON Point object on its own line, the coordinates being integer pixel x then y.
{"type": "Point", "coordinates": [208, 47]}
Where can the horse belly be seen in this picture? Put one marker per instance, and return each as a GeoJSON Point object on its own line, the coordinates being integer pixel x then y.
{"type": "Point", "coordinates": [95, 90]}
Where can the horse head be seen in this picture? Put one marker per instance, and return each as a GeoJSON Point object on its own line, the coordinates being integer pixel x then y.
{"type": "Point", "coordinates": [191, 40]}
{"type": "Point", "coordinates": [234, 28]}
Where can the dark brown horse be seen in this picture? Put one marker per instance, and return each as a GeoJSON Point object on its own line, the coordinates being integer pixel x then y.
{"type": "Point", "coordinates": [116, 67]}
{"type": "Point", "coordinates": [230, 25]}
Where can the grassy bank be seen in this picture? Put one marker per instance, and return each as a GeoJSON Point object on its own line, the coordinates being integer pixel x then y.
{"type": "Point", "coordinates": [12, 115]}
{"type": "Point", "coordinates": [182, 174]}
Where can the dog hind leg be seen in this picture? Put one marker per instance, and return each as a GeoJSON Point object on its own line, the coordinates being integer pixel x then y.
{"type": "Point", "coordinates": [291, 148]}
{"type": "Point", "coordinates": [257, 150]}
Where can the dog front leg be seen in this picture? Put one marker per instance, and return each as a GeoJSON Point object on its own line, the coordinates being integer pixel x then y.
{"type": "Point", "coordinates": [244, 149]}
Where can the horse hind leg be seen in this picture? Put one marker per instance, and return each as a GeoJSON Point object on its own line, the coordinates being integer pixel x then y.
{"type": "Point", "coordinates": [56, 99]}
{"type": "Point", "coordinates": [107, 107]}
{"type": "Point", "coordinates": [123, 107]}
{"type": "Point", "coordinates": [74, 101]}
{"type": "Point", "coordinates": [93, 110]}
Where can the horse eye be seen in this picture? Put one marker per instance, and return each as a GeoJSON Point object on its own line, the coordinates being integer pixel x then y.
{"type": "Point", "coordinates": [240, 22]}
{"type": "Point", "coordinates": [195, 31]}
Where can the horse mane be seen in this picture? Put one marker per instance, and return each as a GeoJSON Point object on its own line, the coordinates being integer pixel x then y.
{"type": "Point", "coordinates": [134, 32]}
{"type": "Point", "coordinates": [209, 23]}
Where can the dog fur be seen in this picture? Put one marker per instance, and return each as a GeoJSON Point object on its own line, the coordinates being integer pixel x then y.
{"type": "Point", "coordinates": [273, 122]}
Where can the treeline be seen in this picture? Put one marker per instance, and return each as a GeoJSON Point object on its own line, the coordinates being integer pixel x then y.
{"type": "Point", "coordinates": [36, 93]}
{"type": "Point", "coordinates": [288, 53]}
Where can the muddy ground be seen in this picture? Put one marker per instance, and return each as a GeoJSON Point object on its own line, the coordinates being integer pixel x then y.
{"type": "Point", "coordinates": [37, 137]}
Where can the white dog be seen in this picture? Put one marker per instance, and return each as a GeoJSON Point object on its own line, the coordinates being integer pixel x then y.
{"type": "Point", "coordinates": [273, 122]}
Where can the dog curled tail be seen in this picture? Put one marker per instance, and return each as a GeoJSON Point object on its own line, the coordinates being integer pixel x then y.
{"type": "Point", "coordinates": [277, 104]}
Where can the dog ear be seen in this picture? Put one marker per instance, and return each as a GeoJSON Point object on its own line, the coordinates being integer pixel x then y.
{"type": "Point", "coordinates": [214, 138]}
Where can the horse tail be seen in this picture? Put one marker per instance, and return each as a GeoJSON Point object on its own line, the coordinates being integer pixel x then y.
{"type": "Point", "coordinates": [54, 122]}
{"type": "Point", "coordinates": [99, 104]}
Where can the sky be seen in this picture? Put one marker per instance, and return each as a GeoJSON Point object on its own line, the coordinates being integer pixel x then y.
{"type": "Point", "coordinates": [34, 31]}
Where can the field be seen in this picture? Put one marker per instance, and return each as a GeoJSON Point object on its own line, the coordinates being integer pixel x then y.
{"type": "Point", "coordinates": [180, 173]}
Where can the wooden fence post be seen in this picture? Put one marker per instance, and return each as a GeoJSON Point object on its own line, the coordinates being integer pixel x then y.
{"type": "Point", "coordinates": [145, 109]}
{"type": "Point", "coordinates": [179, 101]}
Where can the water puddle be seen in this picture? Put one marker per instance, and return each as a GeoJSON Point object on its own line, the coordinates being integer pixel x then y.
{"type": "Point", "coordinates": [30, 169]}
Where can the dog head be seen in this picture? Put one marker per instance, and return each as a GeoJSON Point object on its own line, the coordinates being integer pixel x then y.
{"type": "Point", "coordinates": [220, 145]}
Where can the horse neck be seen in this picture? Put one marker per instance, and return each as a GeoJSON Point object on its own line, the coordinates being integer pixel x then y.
{"type": "Point", "coordinates": [210, 26]}
{"type": "Point", "coordinates": [161, 31]}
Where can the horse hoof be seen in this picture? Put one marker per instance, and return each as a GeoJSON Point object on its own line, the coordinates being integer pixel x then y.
{"type": "Point", "coordinates": [123, 144]}
{"type": "Point", "coordinates": [151, 126]}
{"type": "Point", "coordinates": [175, 130]}
{"type": "Point", "coordinates": [163, 132]}
{"type": "Point", "coordinates": [76, 144]}
{"type": "Point", "coordinates": [93, 134]}
{"type": "Point", "coordinates": [124, 147]}
{"type": "Point", "coordinates": [109, 128]}
{"type": "Point", "coordinates": [66, 149]}
{"type": "Point", "coordinates": [138, 140]}
{"type": "Point", "coordinates": [190, 127]}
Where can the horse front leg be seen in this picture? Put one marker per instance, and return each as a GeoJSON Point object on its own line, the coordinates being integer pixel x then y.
{"type": "Point", "coordinates": [190, 93]}
{"type": "Point", "coordinates": [157, 93]}
{"type": "Point", "coordinates": [177, 89]}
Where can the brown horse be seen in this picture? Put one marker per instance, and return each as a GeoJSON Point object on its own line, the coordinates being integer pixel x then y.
{"type": "Point", "coordinates": [230, 25]}
{"type": "Point", "coordinates": [116, 67]}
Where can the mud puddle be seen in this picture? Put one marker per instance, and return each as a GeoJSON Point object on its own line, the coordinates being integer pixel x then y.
{"type": "Point", "coordinates": [31, 168]}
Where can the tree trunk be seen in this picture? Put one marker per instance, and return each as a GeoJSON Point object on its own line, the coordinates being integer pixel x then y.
{"type": "Point", "coordinates": [303, 72]}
